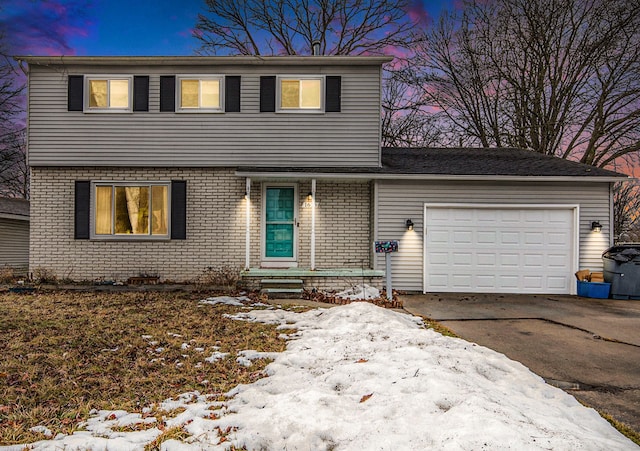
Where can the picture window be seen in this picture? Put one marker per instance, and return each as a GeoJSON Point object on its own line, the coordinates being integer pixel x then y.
{"type": "Point", "coordinates": [131, 210]}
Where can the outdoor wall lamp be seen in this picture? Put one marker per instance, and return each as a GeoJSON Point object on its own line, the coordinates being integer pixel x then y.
{"type": "Point", "coordinates": [596, 226]}
{"type": "Point", "coordinates": [409, 224]}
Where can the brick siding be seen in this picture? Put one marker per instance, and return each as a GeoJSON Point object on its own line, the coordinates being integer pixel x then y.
{"type": "Point", "coordinates": [216, 224]}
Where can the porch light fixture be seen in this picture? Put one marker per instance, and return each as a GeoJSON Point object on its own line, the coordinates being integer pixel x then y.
{"type": "Point", "coordinates": [596, 226]}
{"type": "Point", "coordinates": [409, 224]}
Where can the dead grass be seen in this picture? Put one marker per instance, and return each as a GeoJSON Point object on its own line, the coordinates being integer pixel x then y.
{"type": "Point", "coordinates": [66, 353]}
{"type": "Point", "coordinates": [622, 428]}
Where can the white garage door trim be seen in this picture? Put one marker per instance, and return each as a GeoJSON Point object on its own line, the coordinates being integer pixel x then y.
{"type": "Point", "coordinates": [574, 209]}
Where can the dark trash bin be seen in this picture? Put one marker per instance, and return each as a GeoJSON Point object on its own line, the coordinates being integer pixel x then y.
{"type": "Point", "coordinates": [622, 270]}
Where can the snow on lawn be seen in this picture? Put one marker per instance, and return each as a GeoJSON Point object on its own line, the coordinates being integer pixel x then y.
{"type": "Point", "coordinates": [360, 377]}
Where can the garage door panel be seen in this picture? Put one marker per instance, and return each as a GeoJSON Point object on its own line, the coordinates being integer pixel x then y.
{"type": "Point", "coordinates": [558, 261]}
{"type": "Point", "coordinates": [499, 249]}
{"type": "Point", "coordinates": [509, 282]}
{"type": "Point", "coordinates": [439, 237]}
{"type": "Point", "coordinates": [488, 238]}
{"type": "Point", "coordinates": [462, 258]}
{"type": "Point", "coordinates": [533, 238]}
{"type": "Point", "coordinates": [557, 282]}
{"type": "Point", "coordinates": [509, 260]}
{"type": "Point", "coordinates": [510, 238]}
{"type": "Point", "coordinates": [558, 238]}
{"type": "Point", "coordinates": [461, 282]}
{"type": "Point", "coordinates": [462, 237]}
{"type": "Point", "coordinates": [532, 283]}
{"type": "Point", "coordinates": [533, 261]}
{"type": "Point", "coordinates": [484, 259]}
{"type": "Point", "coordinates": [510, 216]}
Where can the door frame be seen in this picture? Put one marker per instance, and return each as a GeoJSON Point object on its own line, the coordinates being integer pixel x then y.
{"type": "Point", "coordinates": [279, 262]}
{"type": "Point", "coordinates": [575, 241]}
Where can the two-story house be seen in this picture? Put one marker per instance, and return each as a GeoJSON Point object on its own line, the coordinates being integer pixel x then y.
{"type": "Point", "coordinates": [170, 165]}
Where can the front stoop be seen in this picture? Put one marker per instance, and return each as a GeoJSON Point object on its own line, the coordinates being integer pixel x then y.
{"type": "Point", "coordinates": [336, 279]}
{"type": "Point", "coordinates": [282, 288]}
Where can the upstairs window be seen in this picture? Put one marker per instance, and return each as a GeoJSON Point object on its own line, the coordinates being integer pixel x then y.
{"type": "Point", "coordinates": [131, 210]}
{"type": "Point", "coordinates": [108, 94]}
{"type": "Point", "coordinates": [300, 93]}
{"type": "Point", "coordinates": [200, 94]}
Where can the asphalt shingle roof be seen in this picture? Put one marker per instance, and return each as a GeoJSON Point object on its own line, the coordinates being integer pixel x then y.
{"type": "Point", "coordinates": [460, 162]}
{"type": "Point", "coordinates": [18, 207]}
{"type": "Point", "coordinates": [483, 161]}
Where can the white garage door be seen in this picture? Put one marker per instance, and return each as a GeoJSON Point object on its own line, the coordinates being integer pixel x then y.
{"type": "Point", "coordinates": [499, 249]}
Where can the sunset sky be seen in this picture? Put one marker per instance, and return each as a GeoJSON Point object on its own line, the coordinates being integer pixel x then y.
{"type": "Point", "coordinates": [119, 27]}
{"type": "Point", "coordinates": [115, 27]}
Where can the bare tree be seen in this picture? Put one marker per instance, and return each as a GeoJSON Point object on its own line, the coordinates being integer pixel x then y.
{"type": "Point", "coordinates": [289, 27]}
{"type": "Point", "coordinates": [14, 171]}
{"type": "Point", "coordinates": [560, 77]}
{"type": "Point", "coordinates": [626, 211]}
{"type": "Point", "coordinates": [404, 122]}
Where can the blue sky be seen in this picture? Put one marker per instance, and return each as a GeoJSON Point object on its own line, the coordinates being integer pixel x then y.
{"type": "Point", "coordinates": [112, 27]}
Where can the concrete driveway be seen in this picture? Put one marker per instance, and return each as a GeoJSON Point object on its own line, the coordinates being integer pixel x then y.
{"type": "Point", "coordinates": [588, 347]}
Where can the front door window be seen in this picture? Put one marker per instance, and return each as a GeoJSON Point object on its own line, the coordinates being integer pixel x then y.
{"type": "Point", "coordinates": [280, 222]}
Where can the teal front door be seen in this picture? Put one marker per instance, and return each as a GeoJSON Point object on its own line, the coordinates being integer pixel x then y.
{"type": "Point", "coordinates": [280, 226]}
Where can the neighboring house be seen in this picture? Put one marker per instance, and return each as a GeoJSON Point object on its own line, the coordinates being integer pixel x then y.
{"type": "Point", "coordinates": [14, 234]}
{"type": "Point", "coordinates": [171, 165]}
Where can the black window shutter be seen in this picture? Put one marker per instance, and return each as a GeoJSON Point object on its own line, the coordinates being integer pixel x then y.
{"type": "Point", "coordinates": [141, 93]}
{"type": "Point", "coordinates": [167, 93]}
{"type": "Point", "coordinates": [75, 97]}
{"type": "Point", "coordinates": [267, 93]}
{"type": "Point", "coordinates": [82, 208]}
{"type": "Point", "coordinates": [232, 94]}
{"type": "Point", "coordinates": [178, 210]}
{"type": "Point", "coordinates": [333, 94]}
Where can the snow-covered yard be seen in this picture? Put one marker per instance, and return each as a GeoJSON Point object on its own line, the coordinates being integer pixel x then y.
{"type": "Point", "coordinates": [360, 377]}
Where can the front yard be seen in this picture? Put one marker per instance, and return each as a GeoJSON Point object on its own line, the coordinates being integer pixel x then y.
{"type": "Point", "coordinates": [169, 371]}
{"type": "Point", "coordinates": [67, 353]}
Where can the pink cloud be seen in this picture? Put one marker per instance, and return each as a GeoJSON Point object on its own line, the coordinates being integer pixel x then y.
{"type": "Point", "coordinates": [418, 14]}
{"type": "Point", "coordinates": [44, 27]}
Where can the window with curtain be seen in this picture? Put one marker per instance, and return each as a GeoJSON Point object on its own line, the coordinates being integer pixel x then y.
{"type": "Point", "coordinates": [200, 93]}
{"type": "Point", "coordinates": [108, 93]}
{"type": "Point", "coordinates": [140, 209]}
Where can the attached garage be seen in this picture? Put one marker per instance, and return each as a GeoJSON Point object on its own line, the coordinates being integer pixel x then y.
{"type": "Point", "coordinates": [500, 248]}
{"type": "Point", "coordinates": [491, 220]}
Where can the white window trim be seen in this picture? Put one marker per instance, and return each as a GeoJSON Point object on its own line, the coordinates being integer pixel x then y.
{"type": "Point", "coordinates": [200, 77]}
{"type": "Point", "coordinates": [300, 110]}
{"type": "Point", "coordinates": [126, 237]}
{"type": "Point", "coordinates": [87, 80]}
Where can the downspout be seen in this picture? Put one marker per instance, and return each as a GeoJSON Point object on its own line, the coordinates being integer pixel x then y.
{"type": "Point", "coordinates": [611, 218]}
{"type": "Point", "coordinates": [313, 224]}
{"type": "Point", "coordinates": [247, 239]}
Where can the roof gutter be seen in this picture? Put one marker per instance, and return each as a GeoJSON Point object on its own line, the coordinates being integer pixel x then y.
{"type": "Point", "coordinates": [206, 60]}
{"type": "Point", "coordinates": [427, 177]}
{"type": "Point", "coordinates": [13, 216]}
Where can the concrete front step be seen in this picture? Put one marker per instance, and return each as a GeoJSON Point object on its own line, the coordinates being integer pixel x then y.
{"type": "Point", "coordinates": [285, 293]}
{"type": "Point", "coordinates": [282, 282]}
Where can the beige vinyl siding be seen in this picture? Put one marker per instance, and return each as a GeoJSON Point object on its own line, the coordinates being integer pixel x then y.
{"type": "Point", "coordinates": [14, 243]}
{"type": "Point", "coordinates": [58, 137]}
{"type": "Point", "coordinates": [399, 201]}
